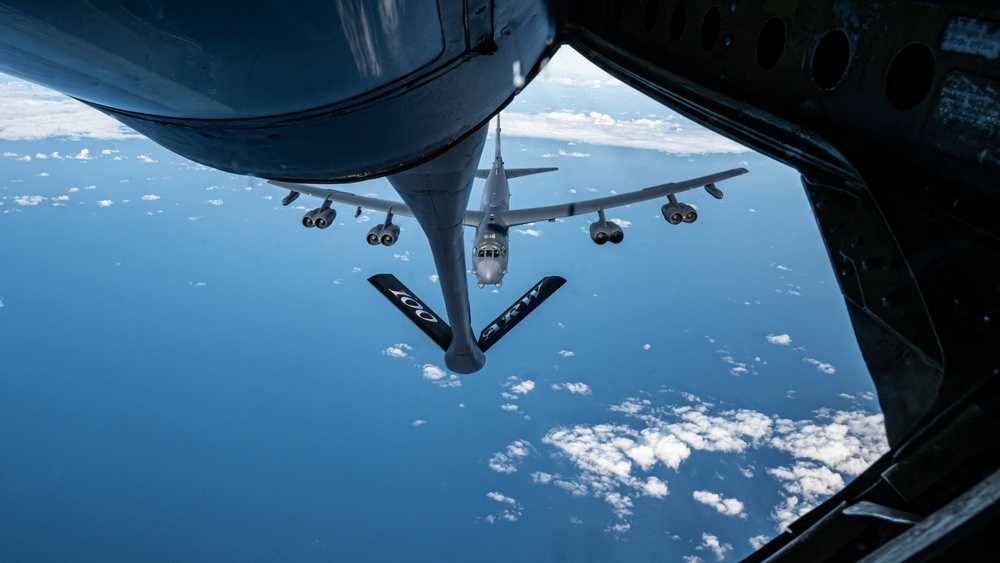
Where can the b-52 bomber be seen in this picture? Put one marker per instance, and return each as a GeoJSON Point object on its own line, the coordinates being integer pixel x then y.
{"type": "Point", "coordinates": [432, 192]}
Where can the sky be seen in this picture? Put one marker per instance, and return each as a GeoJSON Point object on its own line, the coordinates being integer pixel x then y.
{"type": "Point", "coordinates": [190, 374]}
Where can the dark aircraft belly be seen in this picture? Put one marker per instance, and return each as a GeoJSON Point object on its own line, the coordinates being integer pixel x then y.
{"type": "Point", "coordinates": [323, 91]}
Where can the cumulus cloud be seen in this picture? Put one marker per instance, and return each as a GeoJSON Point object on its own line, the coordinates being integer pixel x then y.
{"type": "Point", "coordinates": [782, 339]}
{"type": "Point", "coordinates": [439, 377]}
{"type": "Point", "coordinates": [215, 201]}
{"type": "Point", "coordinates": [757, 542]}
{"type": "Point", "coordinates": [508, 460]}
{"type": "Point", "coordinates": [511, 512]}
{"type": "Point", "coordinates": [105, 203]}
{"type": "Point", "coordinates": [418, 422]}
{"type": "Point", "coordinates": [529, 232]}
{"type": "Point", "coordinates": [566, 353]}
{"type": "Point", "coordinates": [28, 200]}
{"type": "Point", "coordinates": [617, 457]}
{"type": "Point", "coordinates": [666, 135]}
{"type": "Point", "coordinates": [839, 443]}
{"type": "Point", "coordinates": [433, 278]}
{"type": "Point", "coordinates": [654, 487]}
{"type": "Point", "coordinates": [821, 366]}
{"type": "Point", "coordinates": [30, 113]}
{"type": "Point", "coordinates": [149, 197]}
{"type": "Point", "coordinates": [399, 351]}
{"type": "Point", "coordinates": [146, 158]}
{"type": "Point", "coordinates": [577, 388]}
{"type": "Point", "coordinates": [520, 387]}
{"type": "Point", "coordinates": [727, 506]}
{"type": "Point", "coordinates": [712, 543]}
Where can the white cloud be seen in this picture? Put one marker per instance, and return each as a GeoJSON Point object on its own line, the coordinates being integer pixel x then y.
{"type": "Point", "coordinates": [512, 511]}
{"type": "Point", "coordinates": [665, 135]}
{"type": "Point", "coordinates": [849, 442]}
{"type": "Point", "coordinates": [404, 257]}
{"type": "Point", "coordinates": [616, 457]}
{"type": "Point", "coordinates": [105, 203]}
{"type": "Point", "coordinates": [145, 158]}
{"type": "Point", "coordinates": [508, 460]}
{"type": "Point", "coordinates": [577, 388]}
{"type": "Point", "coordinates": [149, 197]}
{"type": "Point", "coordinates": [783, 268]}
{"type": "Point", "coordinates": [215, 201]}
{"type": "Point", "coordinates": [654, 487]}
{"type": "Point", "coordinates": [521, 387]}
{"type": "Point", "coordinates": [439, 377]}
{"type": "Point", "coordinates": [28, 200]}
{"type": "Point", "coordinates": [30, 113]}
{"type": "Point", "coordinates": [782, 339]}
{"type": "Point", "coordinates": [541, 477]}
{"type": "Point", "coordinates": [1, 303]}
{"type": "Point", "coordinates": [433, 277]}
{"type": "Point", "coordinates": [620, 504]}
{"type": "Point", "coordinates": [712, 543]}
{"type": "Point", "coordinates": [418, 422]}
{"type": "Point", "coordinates": [509, 407]}
{"type": "Point", "coordinates": [646, 346]}
{"type": "Point", "coordinates": [727, 506]}
{"type": "Point", "coordinates": [758, 542]}
{"type": "Point", "coordinates": [73, 190]}
{"type": "Point", "coordinates": [400, 351]}
{"type": "Point", "coordinates": [529, 232]}
{"type": "Point", "coordinates": [623, 223]}
{"type": "Point", "coordinates": [821, 366]}
{"type": "Point", "coordinates": [566, 353]}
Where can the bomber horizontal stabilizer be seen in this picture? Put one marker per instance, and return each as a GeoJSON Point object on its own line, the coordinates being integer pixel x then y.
{"type": "Point", "coordinates": [482, 173]}
{"type": "Point", "coordinates": [520, 309]}
{"type": "Point", "coordinates": [421, 315]}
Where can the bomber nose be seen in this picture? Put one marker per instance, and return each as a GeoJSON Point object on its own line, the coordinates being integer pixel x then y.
{"type": "Point", "coordinates": [488, 271]}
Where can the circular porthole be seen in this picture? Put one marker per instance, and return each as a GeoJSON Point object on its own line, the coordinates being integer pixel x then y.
{"type": "Point", "coordinates": [830, 59]}
{"type": "Point", "coordinates": [710, 28]}
{"type": "Point", "coordinates": [652, 11]}
{"type": "Point", "coordinates": [770, 43]}
{"type": "Point", "coordinates": [910, 76]}
{"type": "Point", "coordinates": [678, 18]}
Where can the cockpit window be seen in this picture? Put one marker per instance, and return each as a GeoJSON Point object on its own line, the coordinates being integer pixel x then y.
{"type": "Point", "coordinates": [482, 253]}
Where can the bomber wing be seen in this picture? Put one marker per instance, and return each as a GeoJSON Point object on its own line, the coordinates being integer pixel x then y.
{"type": "Point", "coordinates": [336, 196]}
{"type": "Point", "coordinates": [533, 214]}
{"type": "Point", "coordinates": [472, 217]}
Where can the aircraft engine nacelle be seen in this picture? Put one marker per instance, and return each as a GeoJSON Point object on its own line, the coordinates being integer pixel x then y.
{"type": "Point", "coordinates": [615, 233]}
{"type": "Point", "coordinates": [325, 218]}
{"type": "Point", "coordinates": [309, 219]}
{"type": "Point", "coordinates": [599, 232]}
{"type": "Point", "coordinates": [690, 215]}
{"type": "Point", "coordinates": [374, 237]}
{"type": "Point", "coordinates": [390, 234]}
{"type": "Point", "coordinates": [673, 214]}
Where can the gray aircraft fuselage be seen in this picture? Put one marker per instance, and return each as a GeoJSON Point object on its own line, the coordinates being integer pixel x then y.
{"type": "Point", "coordinates": [489, 251]}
